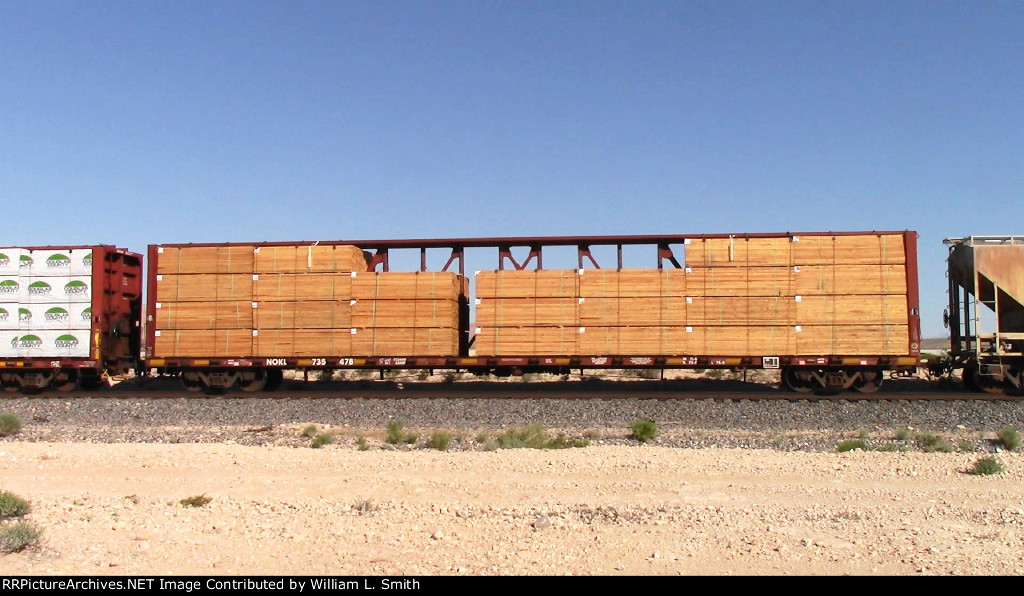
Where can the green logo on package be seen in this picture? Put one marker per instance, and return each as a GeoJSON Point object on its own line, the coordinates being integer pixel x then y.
{"type": "Point", "coordinates": [27, 342]}
{"type": "Point", "coordinates": [25, 261]}
{"type": "Point", "coordinates": [87, 314]}
{"type": "Point", "coordinates": [24, 315]}
{"type": "Point", "coordinates": [87, 260]}
{"type": "Point", "coordinates": [65, 341]}
{"type": "Point", "coordinates": [4, 314]}
{"type": "Point", "coordinates": [57, 314]}
{"type": "Point", "coordinates": [58, 261]}
{"type": "Point", "coordinates": [76, 288]}
{"type": "Point", "coordinates": [8, 286]}
{"type": "Point", "coordinates": [39, 288]}
{"type": "Point", "coordinates": [4, 260]}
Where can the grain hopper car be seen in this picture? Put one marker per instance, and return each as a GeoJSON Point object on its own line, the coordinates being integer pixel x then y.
{"type": "Point", "coordinates": [986, 311]}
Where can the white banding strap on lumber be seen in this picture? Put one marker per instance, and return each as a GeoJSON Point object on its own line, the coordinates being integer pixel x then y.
{"type": "Point", "coordinates": [309, 256]}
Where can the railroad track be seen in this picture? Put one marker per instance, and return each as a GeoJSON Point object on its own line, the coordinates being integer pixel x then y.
{"type": "Point", "coordinates": [689, 389]}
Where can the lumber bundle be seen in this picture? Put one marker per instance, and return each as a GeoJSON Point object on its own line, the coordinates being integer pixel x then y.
{"type": "Point", "coordinates": [202, 342]}
{"type": "Point", "coordinates": [784, 251]}
{"type": "Point", "coordinates": [300, 300]}
{"type": "Point", "coordinates": [807, 295]}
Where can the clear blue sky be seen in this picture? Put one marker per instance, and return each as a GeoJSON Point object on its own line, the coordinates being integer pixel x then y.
{"type": "Point", "coordinates": [134, 123]}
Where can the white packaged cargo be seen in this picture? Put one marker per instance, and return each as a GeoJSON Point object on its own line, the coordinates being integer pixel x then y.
{"type": "Point", "coordinates": [62, 289]}
{"type": "Point", "coordinates": [7, 340]}
{"type": "Point", "coordinates": [10, 288]}
{"type": "Point", "coordinates": [57, 262]}
{"type": "Point", "coordinates": [10, 261]}
{"type": "Point", "coordinates": [8, 315]}
{"type": "Point", "coordinates": [31, 317]}
{"type": "Point", "coordinates": [45, 344]}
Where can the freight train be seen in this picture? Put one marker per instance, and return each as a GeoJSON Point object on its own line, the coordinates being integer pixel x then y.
{"type": "Point", "coordinates": [829, 311]}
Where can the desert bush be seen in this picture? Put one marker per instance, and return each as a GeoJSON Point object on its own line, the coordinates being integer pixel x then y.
{"type": "Point", "coordinates": [394, 432]}
{"type": "Point", "coordinates": [966, 446]}
{"type": "Point", "coordinates": [9, 424]}
{"type": "Point", "coordinates": [364, 506]}
{"type": "Point", "coordinates": [440, 441]}
{"type": "Point", "coordinates": [561, 442]}
{"type": "Point", "coordinates": [851, 445]}
{"type": "Point", "coordinates": [195, 501]}
{"type": "Point", "coordinates": [904, 434]}
{"type": "Point", "coordinates": [361, 444]}
{"type": "Point", "coordinates": [11, 505]}
{"type": "Point", "coordinates": [1009, 438]}
{"type": "Point", "coordinates": [17, 536]}
{"type": "Point", "coordinates": [644, 431]}
{"type": "Point", "coordinates": [987, 465]}
{"type": "Point", "coordinates": [310, 431]}
{"type": "Point", "coordinates": [532, 437]}
{"type": "Point", "coordinates": [930, 443]}
{"type": "Point", "coordinates": [322, 439]}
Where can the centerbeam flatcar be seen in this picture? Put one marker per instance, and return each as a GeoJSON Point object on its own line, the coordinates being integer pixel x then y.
{"type": "Point", "coordinates": [830, 310]}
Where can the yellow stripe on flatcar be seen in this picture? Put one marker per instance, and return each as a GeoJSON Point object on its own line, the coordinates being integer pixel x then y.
{"type": "Point", "coordinates": [200, 362]}
{"type": "Point", "coordinates": [854, 362]}
{"type": "Point", "coordinates": [157, 361]}
{"type": "Point", "coordinates": [305, 363]}
{"type": "Point", "coordinates": [907, 361]}
{"type": "Point", "coordinates": [469, 361]}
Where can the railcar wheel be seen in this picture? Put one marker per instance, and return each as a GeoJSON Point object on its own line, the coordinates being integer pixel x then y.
{"type": "Point", "coordinates": [9, 384]}
{"type": "Point", "coordinates": [66, 380]}
{"type": "Point", "coordinates": [982, 383]}
{"type": "Point", "coordinates": [798, 380]}
{"type": "Point", "coordinates": [253, 381]}
{"type": "Point", "coordinates": [90, 382]}
{"type": "Point", "coordinates": [275, 377]}
{"type": "Point", "coordinates": [869, 381]}
{"type": "Point", "coordinates": [192, 382]}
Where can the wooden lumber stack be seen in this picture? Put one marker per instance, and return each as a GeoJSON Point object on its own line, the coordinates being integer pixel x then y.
{"type": "Point", "coordinates": [407, 314]}
{"type": "Point", "coordinates": [809, 295]}
{"type": "Point", "coordinates": [526, 312]}
{"type": "Point", "coordinates": [284, 301]}
{"type": "Point", "coordinates": [822, 294]}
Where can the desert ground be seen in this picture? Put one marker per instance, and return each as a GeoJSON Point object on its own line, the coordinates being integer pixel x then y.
{"type": "Point", "coordinates": [643, 509]}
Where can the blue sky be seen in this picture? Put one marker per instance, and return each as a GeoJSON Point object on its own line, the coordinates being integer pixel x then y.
{"type": "Point", "coordinates": [134, 123]}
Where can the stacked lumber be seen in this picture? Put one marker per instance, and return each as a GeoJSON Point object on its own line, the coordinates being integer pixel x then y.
{"type": "Point", "coordinates": [407, 313]}
{"type": "Point", "coordinates": [572, 312]}
{"type": "Point", "coordinates": [819, 294]}
{"type": "Point", "coordinates": [300, 300]}
{"type": "Point", "coordinates": [809, 295]}
{"type": "Point", "coordinates": [523, 312]}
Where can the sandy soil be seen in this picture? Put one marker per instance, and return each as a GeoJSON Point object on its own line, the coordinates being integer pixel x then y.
{"type": "Point", "coordinates": [637, 510]}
